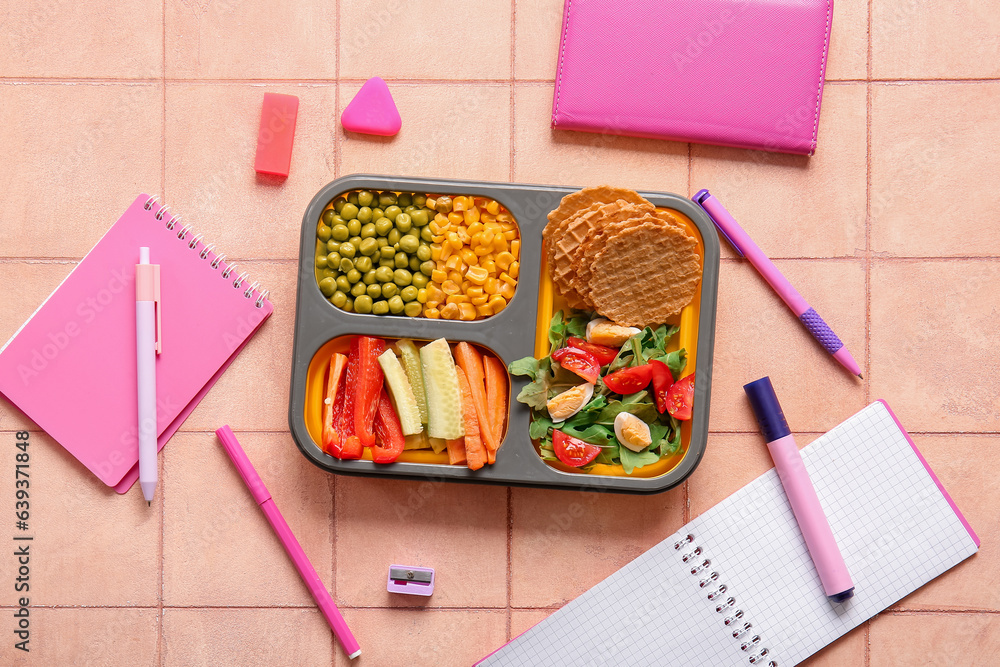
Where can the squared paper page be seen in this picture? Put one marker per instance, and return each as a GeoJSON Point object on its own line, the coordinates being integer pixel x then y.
{"type": "Point", "coordinates": [895, 528]}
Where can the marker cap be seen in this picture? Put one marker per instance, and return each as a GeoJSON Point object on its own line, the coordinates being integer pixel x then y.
{"type": "Point", "coordinates": [766, 408]}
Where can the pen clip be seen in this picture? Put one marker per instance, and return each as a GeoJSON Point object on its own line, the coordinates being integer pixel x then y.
{"type": "Point", "coordinates": [157, 307]}
{"type": "Point", "coordinates": [699, 198]}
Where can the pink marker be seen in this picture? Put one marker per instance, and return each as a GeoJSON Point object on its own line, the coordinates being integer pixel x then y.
{"type": "Point", "coordinates": [801, 494]}
{"type": "Point", "coordinates": [147, 346]}
{"type": "Point", "coordinates": [745, 246]}
{"type": "Point", "coordinates": [292, 546]}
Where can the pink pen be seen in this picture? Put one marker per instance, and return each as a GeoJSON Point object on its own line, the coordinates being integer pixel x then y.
{"type": "Point", "coordinates": [745, 246]}
{"type": "Point", "coordinates": [147, 346]}
{"type": "Point", "coordinates": [292, 546]}
{"type": "Point", "coordinates": [801, 494]}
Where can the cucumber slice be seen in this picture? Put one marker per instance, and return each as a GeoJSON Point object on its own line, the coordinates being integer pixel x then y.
{"type": "Point", "coordinates": [411, 362]}
{"type": "Point", "coordinates": [444, 397]}
{"type": "Point", "coordinates": [401, 393]}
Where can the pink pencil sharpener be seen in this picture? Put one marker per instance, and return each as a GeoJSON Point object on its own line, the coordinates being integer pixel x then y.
{"type": "Point", "coordinates": [410, 580]}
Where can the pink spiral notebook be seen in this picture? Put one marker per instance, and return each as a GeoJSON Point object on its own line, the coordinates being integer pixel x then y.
{"type": "Point", "coordinates": [71, 367]}
{"type": "Point", "coordinates": [744, 73]}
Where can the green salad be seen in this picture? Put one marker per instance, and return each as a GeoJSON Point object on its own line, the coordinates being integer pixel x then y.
{"type": "Point", "coordinates": [578, 393]}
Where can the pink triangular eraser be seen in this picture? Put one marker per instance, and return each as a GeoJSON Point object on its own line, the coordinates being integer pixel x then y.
{"type": "Point", "coordinates": [372, 111]}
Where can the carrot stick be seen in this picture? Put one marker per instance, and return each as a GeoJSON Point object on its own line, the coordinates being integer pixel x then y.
{"type": "Point", "coordinates": [456, 451]}
{"type": "Point", "coordinates": [337, 364]}
{"type": "Point", "coordinates": [475, 453]}
{"type": "Point", "coordinates": [496, 398]}
{"type": "Point", "coordinates": [469, 360]}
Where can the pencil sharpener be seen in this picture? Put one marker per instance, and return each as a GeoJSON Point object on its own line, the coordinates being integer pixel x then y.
{"type": "Point", "coordinates": [410, 580]}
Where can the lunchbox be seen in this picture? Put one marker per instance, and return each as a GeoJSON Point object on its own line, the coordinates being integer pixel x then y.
{"type": "Point", "coordinates": [519, 330]}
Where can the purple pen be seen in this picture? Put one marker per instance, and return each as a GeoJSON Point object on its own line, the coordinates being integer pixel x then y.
{"type": "Point", "coordinates": [745, 246]}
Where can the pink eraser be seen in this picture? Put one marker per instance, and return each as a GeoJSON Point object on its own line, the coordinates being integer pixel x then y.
{"type": "Point", "coordinates": [277, 132]}
{"type": "Point", "coordinates": [372, 111]}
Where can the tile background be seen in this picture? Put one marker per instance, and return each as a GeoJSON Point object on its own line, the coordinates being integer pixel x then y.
{"type": "Point", "coordinates": [891, 230]}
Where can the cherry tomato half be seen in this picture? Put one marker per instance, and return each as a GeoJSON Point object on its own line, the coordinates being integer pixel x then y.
{"type": "Point", "coordinates": [604, 354]}
{"type": "Point", "coordinates": [663, 379]}
{"type": "Point", "coordinates": [629, 380]}
{"type": "Point", "coordinates": [573, 451]}
{"type": "Point", "coordinates": [680, 398]}
{"type": "Point", "coordinates": [580, 362]}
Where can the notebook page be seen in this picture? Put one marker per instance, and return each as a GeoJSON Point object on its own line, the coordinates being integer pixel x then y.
{"type": "Point", "coordinates": [894, 528]}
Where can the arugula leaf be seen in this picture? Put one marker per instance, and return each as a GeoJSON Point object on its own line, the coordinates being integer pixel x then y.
{"type": "Point", "coordinates": [527, 366]}
{"type": "Point", "coordinates": [557, 331]}
{"type": "Point", "coordinates": [637, 397]}
{"type": "Point", "coordinates": [577, 326]}
{"type": "Point", "coordinates": [535, 394]}
{"type": "Point", "coordinates": [595, 434]}
{"type": "Point", "coordinates": [672, 446]}
{"type": "Point", "coordinates": [539, 427]}
{"type": "Point", "coordinates": [676, 361]}
{"type": "Point", "coordinates": [609, 455]}
{"type": "Point", "coordinates": [636, 343]}
{"type": "Point", "coordinates": [632, 460]}
{"type": "Point", "coordinates": [658, 434]}
{"type": "Point", "coordinates": [644, 411]}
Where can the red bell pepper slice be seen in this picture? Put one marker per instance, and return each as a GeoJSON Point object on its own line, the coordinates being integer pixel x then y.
{"type": "Point", "coordinates": [389, 439]}
{"type": "Point", "coordinates": [582, 363]}
{"type": "Point", "coordinates": [604, 354]}
{"type": "Point", "coordinates": [368, 385]}
{"type": "Point", "coordinates": [345, 444]}
{"type": "Point", "coordinates": [334, 392]}
{"type": "Point", "coordinates": [629, 380]}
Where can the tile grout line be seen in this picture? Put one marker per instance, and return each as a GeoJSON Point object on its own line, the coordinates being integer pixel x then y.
{"type": "Point", "coordinates": [510, 561]}
{"type": "Point", "coordinates": [332, 482]}
{"type": "Point", "coordinates": [6, 80]}
{"type": "Point", "coordinates": [967, 434]}
{"type": "Point", "coordinates": [163, 189]}
{"type": "Point", "coordinates": [868, 257]}
{"type": "Point", "coordinates": [511, 170]}
{"type": "Point", "coordinates": [337, 134]}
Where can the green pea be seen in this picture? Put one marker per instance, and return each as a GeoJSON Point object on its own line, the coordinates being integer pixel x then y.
{"type": "Point", "coordinates": [338, 299]}
{"type": "Point", "coordinates": [323, 232]}
{"type": "Point", "coordinates": [340, 233]}
{"type": "Point", "coordinates": [393, 212]}
{"type": "Point", "coordinates": [352, 197]}
{"type": "Point", "coordinates": [368, 231]}
{"type": "Point", "coordinates": [393, 237]}
{"type": "Point", "coordinates": [420, 280]}
{"type": "Point", "coordinates": [374, 291]}
{"type": "Point", "coordinates": [427, 268]}
{"type": "Point", "coordinates": [339, 203]}
{"type": "Point", "coordinates": [414, 263]}
{"type": "Point", "coordinates": [330, 273]}
{"type": "Point", "coordinates": [349, 212]}
{"type": "Point", "coordinates": [405, 199]}
{"type": "Point", "coordinates": [343, 284]}
{"type": "Point", "coordinates": [347, 250]}
{"type": "Point", "coordinates": [354, 227]}
{"type": "Point", "coordinates": [380, 307]}
{"type": "Point", "coordinates": [382, 226]}
{"type": "Point", "coordinates": [403, 222]}
{"type": "Point", "coordinates": [356, 242]}
{"type": "Point", "coordinates": [413, 309]}
{"type": "Point", "coordinates": [409, 243]}
{"type": "Point", "coordinates": [364, 214]}
{"type": "Point", "coordinates": [383, 274]}
{"type": "Point", "coordinates": [363, 304]}
{"type": "Point", "coordinates": [444, 205]}
{"type": "Point", "coordinates": [377, 214]}
{"type": "Point", "coordinates": [425, 234]}
{"type": "Point", "coordinates": [409, 210]}
{"type": "Point", "coordinates": [358, 289]}
{"type": "Point", "coordinates": [369, 277]}
{"type": "Point", "coordinates": [332, 246]}
{"type": "Point", "coordinates": [349, 305]}
{"type": "Point", "coordinates": [354, 276]}
{"type": "Point", "coordinates": [333, 259]}
{"type": "Point", "coordinates": [419, 217]}
{"type": "Point", "coordinates": [382, 242]}
{"type": "Point", "coordinates": [423, 252]}
{"type": "Point", "coordinates": [328, 286]}
{"type": "Point", "coordinates": [386, 199]}
{"type": "Point", "coordinates": [419, 200]}
{"type": "Point", "coordinates": [346, 265]}
{"type": "Point", "coordinates": [387, 252]}
{"type": "Point", "coordinates": [401, 261]}
{"type": "Point", "coordinates": [363, 263]}
{"type": "Point", "coordinates": [396, 305]}
{"type": "Point", "coordinates": [389, 290]}
{"type": "Point", "coordinates": [409, 293]}
{"type": "Point", "coordinates": [365, 197]}
{"type": "Point", "coordinates": [327, 217]}
{"type": "Point", "coordinates": [402, 277]}
{"type": "Point", "coordinates": [321, 262]}
{"type": "Point", "coordinates": [368, 247]}
{"type": "Point", "coordinates": [388, 263]}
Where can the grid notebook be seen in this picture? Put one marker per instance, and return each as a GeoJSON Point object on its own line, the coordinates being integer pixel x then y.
{"type": "Point", "coordinates": [736, 586]}
{"type": "Point", "coordinates": [71, 367]}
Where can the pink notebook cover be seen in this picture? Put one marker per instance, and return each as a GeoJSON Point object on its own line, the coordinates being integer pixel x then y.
{"type": "Point", "coordinates": [743, 73]}
{"type": "Point", "coordinates": [71, 367]}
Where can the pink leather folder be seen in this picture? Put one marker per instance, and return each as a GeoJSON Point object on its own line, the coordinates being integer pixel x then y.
{"type": "Point", "coordinates": [744, 73]}
{"type": "Point", "coordinates": [71, 367]}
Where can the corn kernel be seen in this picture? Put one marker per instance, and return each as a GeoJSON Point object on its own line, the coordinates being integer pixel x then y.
{"type": "Point", "coordinates": [475, 228]}
{"type": "Point", "coordinates": [515, 248]}
{"type": "Point", "coordinates": [457, 298]}
{"type": "Point", "coordinates": [472, 215]}
{"type": "Point", "coordinates": [455, 277]}
{"type": "Point", "coordinates": [439, 276]}
{"type": "Point", "coordinates": [432, 313]}
{"type": "Point", "coordinates": [450, 287]}
{"type": "Point", "coordinates": [438, 238]}
{"type": "Point", "coordinates": [499, 243]}
{"type": "Point", "coordinates": [422, 295]}
{"type": "Point", "coordinates": [431, 203]}
{"type": "Point", "coordinates": [434, 227]}
{"type": "Point", "coordinates": [479, 300]}
{"type": "Point", "coordinates": [486, 217]}
{"type": "Point", "coordinates": [504, 216]}
{"type": "Point", "coordinates": [431, 304]}
{"type": "Point", "coordinates": [504, 260]}
{"type": "Point", "coordinates": [491, 286]}
{"type": "Point", "coordinates": [506, 277]}
{"type": "Point", "coordinates": [446, 251]}
{"type": "Point", "coordinates": [469, 257]}
{"type": "Point", "coordinates": [492, 207]}
{"type": "Point", "coordinates": [497, 303]}
{"type": "Point", "coordinates": [477, 275]}
{"type": "Point", "coordinates": [514, 270]}
{"type": "Point", "coordinates": [487, 258]}
{"type": "Point", "coordinates": [488, 264]}
{"type": "Point", "coordinates": [463, 234]}
{"type": "Point", "coordinates": [450, 311]}
{"type": "Point", "coordinates": [482, 250]}
{"type": "Point", "coordinates": [453, 262]}
{"type": "Point", "coordinates": [494, 227]}
{"type": "Point", "coordinates": [459, 204]}
{"type": "Point", "coordinates": [454, 241]}
{"type": "Point", "coordinates": [440, 218]}
{"type": "Point", "coordinates": [507, 291]}
{"type": "Point", "coordinates": [483, 310]}
{"type": "Point", "coordinates": [510, 235]}
{"type": "Point", "coordinates": [467, 312]}
{"type": "Point", "coordinates": [475, 291]}
{"type": "Point", "coordinates": [456, 218]}
{"type": "Point", "coordinates": [435, 251]}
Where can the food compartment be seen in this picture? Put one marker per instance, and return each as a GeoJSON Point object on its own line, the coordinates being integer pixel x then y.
{"type": "Point", "coordinates": [417, 254]}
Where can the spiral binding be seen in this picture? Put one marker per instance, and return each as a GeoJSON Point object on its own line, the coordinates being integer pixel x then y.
{"type": "Point", "coordinates": [207, 249]}
{"type": "Point", "coordinates": [742, 631]}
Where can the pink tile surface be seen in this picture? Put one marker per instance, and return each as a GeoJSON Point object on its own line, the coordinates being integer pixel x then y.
{"type": "Point", "coordinates": [890, 231]}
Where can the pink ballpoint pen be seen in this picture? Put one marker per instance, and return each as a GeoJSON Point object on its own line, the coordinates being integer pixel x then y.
{"type": "Point", "coordinates": [745, 246]}
{"type": "Point", "coordinates": [292, 546]}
